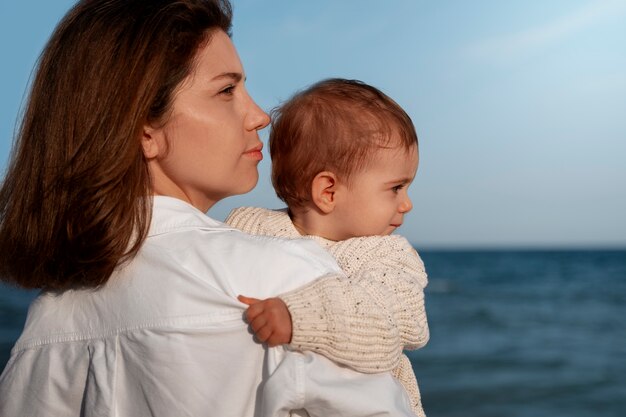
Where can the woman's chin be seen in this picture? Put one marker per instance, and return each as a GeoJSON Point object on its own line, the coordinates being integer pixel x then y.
{"type": "Point", "coordinates": [246, 187]}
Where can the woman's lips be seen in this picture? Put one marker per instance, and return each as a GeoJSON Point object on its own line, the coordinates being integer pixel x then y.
{"type": "Point", "coordinates": [255, 153]}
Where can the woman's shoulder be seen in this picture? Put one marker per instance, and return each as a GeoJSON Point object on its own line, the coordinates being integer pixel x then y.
{"type": "Point", "coordinates": [189, 236]}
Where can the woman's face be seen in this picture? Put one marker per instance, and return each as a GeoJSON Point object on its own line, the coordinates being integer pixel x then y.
{"type": "Point", "coordinates": [209, 147]}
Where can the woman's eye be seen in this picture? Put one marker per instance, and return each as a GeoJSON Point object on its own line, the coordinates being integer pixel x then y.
{"type": "Point", "coordinates": [228, 90]}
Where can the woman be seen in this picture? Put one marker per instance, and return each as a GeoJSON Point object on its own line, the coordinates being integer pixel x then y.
{"type": "Point", "coordinates": [137, 123]}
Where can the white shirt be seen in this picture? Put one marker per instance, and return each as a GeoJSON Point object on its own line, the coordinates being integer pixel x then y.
{"type": "Point", "coordinates": [165, 336]}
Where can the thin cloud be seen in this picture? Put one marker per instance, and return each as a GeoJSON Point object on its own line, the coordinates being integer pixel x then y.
{"type": "Point", "coordinates": [515, 44]}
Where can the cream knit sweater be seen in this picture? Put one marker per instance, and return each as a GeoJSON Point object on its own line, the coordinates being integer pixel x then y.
{"type": "Point", "coordinates": [366, 320]}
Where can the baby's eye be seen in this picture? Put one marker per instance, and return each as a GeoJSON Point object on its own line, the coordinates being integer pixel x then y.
{"type": "Point", "coordinates": [397, 188]}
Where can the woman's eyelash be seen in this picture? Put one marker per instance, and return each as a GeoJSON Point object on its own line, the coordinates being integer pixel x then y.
{"type": "Point", "coordinates": [228, 90]}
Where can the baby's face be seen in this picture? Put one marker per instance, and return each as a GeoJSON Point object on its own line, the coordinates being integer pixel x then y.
{"type": "Point", "coordinates": [376, 199]}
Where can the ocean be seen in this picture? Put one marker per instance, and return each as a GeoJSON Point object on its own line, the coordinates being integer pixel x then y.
{"type": "Point", "coordinates": [513, 333]}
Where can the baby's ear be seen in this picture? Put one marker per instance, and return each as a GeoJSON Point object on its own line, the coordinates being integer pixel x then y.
{"type": "Point", "coordinates": [323, 188]}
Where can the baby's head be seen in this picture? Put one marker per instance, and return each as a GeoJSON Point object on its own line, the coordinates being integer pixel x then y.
{"type": "Point", "coordinates": [343, 154]}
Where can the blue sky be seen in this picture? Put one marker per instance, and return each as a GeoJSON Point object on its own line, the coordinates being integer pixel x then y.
{"type": "Point", "coordinates": [519, 105]}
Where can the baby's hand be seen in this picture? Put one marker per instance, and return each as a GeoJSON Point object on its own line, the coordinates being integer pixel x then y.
{"type": "Point", "coordinates": [270, 320]}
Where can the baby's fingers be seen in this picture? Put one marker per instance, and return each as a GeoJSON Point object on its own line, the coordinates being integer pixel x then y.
{"type": "Point", "coordinates": [248, 300]}
{"type": "Point", "coordinates": [261, 328]}
{"type": "Point", "coordinates": [254, 311]}
{"type": "Point", "coordinates": [263, 334]}
{"type": "Point", "coordinates": [258, 323]}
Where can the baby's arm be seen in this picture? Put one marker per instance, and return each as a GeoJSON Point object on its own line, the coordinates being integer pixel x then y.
{"type": "Point", "coordinates": [365, 321]}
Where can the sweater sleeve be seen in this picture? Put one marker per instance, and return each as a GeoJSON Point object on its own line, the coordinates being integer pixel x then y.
{"type": "Point", "coordinates": [364, 321]}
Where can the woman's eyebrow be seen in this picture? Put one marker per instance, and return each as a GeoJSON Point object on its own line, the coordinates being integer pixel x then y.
{"type": "Point", "coordinates": [235, 76]}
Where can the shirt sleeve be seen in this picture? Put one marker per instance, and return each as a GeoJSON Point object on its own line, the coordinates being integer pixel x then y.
{"type": "Point", "coordinates": [308, 384]}
{"type": "Point", "coordinates": [366, 320]}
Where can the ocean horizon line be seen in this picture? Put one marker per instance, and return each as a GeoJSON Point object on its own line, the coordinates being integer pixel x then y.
{"type": "Point", "coordinates": [518, 247]}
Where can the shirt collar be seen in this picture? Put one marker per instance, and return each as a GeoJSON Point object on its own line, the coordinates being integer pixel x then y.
{"type": "Point", "coordinates": [169, 213]}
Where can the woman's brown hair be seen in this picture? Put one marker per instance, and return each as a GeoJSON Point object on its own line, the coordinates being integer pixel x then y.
{"type": "Point", "coordinates": [75, 200]}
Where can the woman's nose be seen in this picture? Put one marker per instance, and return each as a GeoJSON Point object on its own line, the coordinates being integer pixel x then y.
{"type": "Point", "coordinates": [257, 119]}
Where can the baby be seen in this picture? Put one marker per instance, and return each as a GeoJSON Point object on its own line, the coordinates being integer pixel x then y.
{"type": "Point", "coordinates": [343, 156]}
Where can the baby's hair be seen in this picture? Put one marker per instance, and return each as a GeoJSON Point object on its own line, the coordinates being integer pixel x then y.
{"type": "Point", "coordinates": [334, 125]}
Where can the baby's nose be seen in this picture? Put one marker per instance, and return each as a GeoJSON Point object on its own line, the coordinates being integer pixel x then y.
{"type": "Point", "coordinates": [406, 205]}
